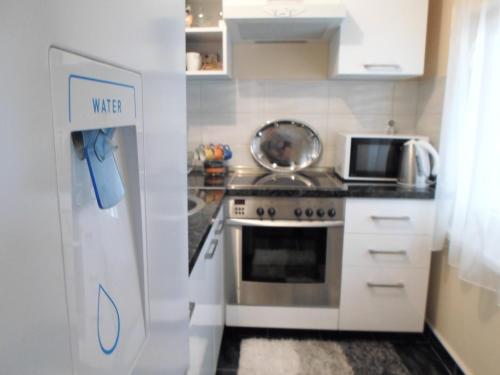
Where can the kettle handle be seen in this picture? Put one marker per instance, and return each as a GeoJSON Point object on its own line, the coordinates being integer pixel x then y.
{"type": "Point", "coordinates": [435, 156]}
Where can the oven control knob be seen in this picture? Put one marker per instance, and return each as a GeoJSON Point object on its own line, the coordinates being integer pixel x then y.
{"type": "Point", "coordinates": [320, 212]}
{"type": "Point", "coordinates": [260, 211]}
{"type": "Point", "coordinates": [309, 212]}
{"type": "Point", "coordinates": [332, 212]}
{"type": "Point", "coordinates": [298, 212]}
{"type": "Point", "coordinates": [271, 211]}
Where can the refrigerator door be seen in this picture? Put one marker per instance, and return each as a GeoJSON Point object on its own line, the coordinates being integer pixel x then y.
{"type": "Point", "coordinates": [87, 290]}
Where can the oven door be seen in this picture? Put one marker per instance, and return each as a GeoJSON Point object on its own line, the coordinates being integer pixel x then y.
{"type": "Point", "coordinates": [284, 263]}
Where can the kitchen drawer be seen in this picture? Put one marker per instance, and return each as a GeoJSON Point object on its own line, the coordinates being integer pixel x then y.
{"type": "Point", "coordinates": [388, 299]}
{"type": "Point", "coordinates": [407, 216]}
{"type": "Point", "coordinates": [386, 250]}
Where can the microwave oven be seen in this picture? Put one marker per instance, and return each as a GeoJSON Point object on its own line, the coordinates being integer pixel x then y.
{"type": "Point", "coordinates": [369, 157]}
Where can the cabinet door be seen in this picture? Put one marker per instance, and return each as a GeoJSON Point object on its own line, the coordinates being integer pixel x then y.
{"type": "Point", "coordinates": [219, 300]}
{"type": "Point", "coordinates": [201, 361]}
{"type": "Point", "coordinates": [215, 285]}
{"type": "Point", "coordinates": [382, 38]}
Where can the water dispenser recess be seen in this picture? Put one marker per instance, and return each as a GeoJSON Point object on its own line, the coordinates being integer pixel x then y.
{"type": "Point", "coordinates": [96, 147]}
{"type": "Point", "coordinates": [100, 178]}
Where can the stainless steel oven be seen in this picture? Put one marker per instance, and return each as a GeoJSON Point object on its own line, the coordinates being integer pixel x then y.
{"type": "Point", "coordinates": [284, 251]}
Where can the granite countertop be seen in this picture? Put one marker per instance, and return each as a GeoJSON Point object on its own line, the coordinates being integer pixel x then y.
{"type": "Point", "coordinates": [337, 189]}
{"type": "Point", "coordinates": [213, 189]}
{"type": "Point", "coordinates": [200, 223]}
{"type": "Point", "coordinates": [384, 190]}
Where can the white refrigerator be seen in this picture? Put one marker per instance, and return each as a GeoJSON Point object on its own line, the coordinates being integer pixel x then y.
{"type": "Point", "coordinates": [93, 228]}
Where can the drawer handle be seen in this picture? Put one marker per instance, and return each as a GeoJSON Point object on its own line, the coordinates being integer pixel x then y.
{"type": "Point", "coordinates": [370, 284]}
{"type": "Point", "coordinates": [211, 251]}
{"type": "Point", "coordinates": [192, 306]}
{"type": "Point", "coordinates": [394, 218]}
{"type": "Point", "coordinates": [387, 252]}
{"type": "Point", "coordinates": [382, 66]}
{"type": "Point", "coordinates": [220, 227]}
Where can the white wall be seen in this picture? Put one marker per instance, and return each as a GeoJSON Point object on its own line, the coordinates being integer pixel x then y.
{"type": "Point", "coordinates": [231, 111]}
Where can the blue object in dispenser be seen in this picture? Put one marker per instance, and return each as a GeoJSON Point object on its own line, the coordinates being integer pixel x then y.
{"type": "Point", "coordinates": [99, 153]}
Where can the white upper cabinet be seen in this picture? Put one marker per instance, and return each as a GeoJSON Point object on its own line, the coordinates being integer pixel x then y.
{"type": "Point", "coordinates": [380, 38]}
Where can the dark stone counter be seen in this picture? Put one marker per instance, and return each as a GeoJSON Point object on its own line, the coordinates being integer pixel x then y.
{"type": "Point", "coordinates": [338, 189]}
{"type": "Point", "coordinates": [386, 190]}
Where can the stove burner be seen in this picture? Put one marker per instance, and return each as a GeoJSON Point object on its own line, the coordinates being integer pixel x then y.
{"type": "Point", "coordinates": [296, 180]}
{"type": "Point", "coordinates": [302, 180]}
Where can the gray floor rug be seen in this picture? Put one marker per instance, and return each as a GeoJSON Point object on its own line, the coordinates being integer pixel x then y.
{"type": "Point", "coordinates": [314, 357]}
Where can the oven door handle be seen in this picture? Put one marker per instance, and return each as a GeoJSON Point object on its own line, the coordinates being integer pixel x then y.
{"type": "Point", "coordinates": [284, 223]}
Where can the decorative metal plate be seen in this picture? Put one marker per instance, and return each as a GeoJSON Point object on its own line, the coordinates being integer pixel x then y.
{"type": "Point", "coordinates": [285, 146]}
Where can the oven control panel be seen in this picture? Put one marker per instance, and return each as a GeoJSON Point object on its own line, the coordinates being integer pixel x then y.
{"type": "Point", "coordinates": [284, 208]}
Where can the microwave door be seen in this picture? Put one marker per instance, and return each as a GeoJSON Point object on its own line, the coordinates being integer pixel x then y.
{"type": "Point", "coordinates": [375, 158]}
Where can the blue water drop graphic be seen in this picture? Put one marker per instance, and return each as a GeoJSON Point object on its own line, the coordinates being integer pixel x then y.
{"type": "Point", "coordinates": [103, 297]}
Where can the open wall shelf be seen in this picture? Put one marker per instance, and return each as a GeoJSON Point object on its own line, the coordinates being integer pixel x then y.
{"type": "Point", "coordinates": [209, 40]}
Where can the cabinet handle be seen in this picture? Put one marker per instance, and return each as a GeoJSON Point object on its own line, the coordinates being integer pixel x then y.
{"type": "Point", "coordinates": [211, 250]}
{"type": "Point", "coordinates": [382, 66]}
{"type": "Point", "coordinates": [192, 306]}
{"type": "Point", "coordinates": [395, 218]}
{"type": "Point", "coordinates": [370, 284]}
{"type": "Point", "coordinates": [220, 227]}
{"type": "Point", "coordinates": [389, 252]}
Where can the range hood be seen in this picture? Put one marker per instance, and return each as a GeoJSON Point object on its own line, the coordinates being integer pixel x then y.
{"type": "Point", "coordinates": [270, 21]}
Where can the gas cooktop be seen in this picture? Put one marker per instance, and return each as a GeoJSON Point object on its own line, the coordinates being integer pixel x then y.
{"type": "Point", "coordinates": [298, 180]}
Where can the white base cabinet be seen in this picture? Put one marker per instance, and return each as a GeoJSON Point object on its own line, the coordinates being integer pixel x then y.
{"type": "Point", "coordinates": [206, 294]}
{"type": "Point", "coordinates": [385, 266]}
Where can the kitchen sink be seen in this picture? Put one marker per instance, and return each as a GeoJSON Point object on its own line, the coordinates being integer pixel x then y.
{"type": "Point", "coordinates": [195, 205]}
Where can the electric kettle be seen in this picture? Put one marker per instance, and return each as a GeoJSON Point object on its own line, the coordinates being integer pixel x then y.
{"type": "Point", "coordinates": [419, 161]}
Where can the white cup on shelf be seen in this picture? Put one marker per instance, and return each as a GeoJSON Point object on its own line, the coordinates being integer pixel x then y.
{"type": "Point", "coordinates": [193, 61]}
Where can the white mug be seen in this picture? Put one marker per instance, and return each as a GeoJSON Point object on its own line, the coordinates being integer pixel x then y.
{"type": "Point", "coordinates": [193, 61]}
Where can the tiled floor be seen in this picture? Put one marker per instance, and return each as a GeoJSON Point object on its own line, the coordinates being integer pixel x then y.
{"type": "Point", "coordinates": [414, 350]}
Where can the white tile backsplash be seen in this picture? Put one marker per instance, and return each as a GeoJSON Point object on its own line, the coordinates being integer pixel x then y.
{"type": "Point", "coordinates": [351, 123]}
{"type": "Point", "coordinates": [250, 96]}
{"type": "Point", "coordinates": [405, 123]}
{"type": "Point", "coordinates": [193, 93]}
{"type": "Point", "coordinates": [231, 111]}
{"type": "Point", "coordinates": [242, 157]}
{"type": "Point", "coordinates": [354, 124]}
{"type": "Point", "coordinates": [230, 128]}
{"type": "Point", "coordinates": [361, 97]}
{"type": "Point", "coordinates": [296, 97]}
{"type": "Point", "coordinates": [405, 97]}
{"type": "Point", "coordinates": [218, 97]}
